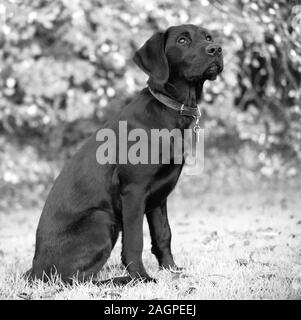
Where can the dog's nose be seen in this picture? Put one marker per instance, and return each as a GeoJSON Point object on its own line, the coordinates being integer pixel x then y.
{"type": "Point", "coordinates": [214, 49]}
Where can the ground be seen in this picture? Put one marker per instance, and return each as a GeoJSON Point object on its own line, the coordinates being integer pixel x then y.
{"type": "Point", "coordinates": [235, 245]}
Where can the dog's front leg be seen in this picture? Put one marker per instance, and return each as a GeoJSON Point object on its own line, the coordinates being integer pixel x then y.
{"type": "Point", "coordinates": [132, 240]}
{"type": "Point", "coordinates": [161, 237]}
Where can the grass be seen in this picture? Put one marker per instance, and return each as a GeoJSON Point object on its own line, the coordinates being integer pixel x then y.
{"type": "Point", "coordinates": [232, 246]}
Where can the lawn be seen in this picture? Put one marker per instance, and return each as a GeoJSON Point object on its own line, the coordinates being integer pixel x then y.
{"type": "Point", "coordinates": [232, 246]}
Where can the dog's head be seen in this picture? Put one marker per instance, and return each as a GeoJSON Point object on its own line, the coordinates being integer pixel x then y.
{"type": "Point", "coordinates": [185, 51]}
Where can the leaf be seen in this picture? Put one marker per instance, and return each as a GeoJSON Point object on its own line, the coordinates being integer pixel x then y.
{"type": "Point", "coordinates": [242, 262]}
{"type": "Point", "coordinates": [25, 296]}
{"type": "Point", "coordinates": [190, 290]}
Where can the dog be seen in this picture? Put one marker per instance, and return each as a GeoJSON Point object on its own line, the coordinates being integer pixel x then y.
{"type": "Point", "coordinates": [90, 204]}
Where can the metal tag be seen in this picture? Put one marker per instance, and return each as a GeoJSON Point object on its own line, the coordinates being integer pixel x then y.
{"type": "Point", "coordinates": [196, 130]}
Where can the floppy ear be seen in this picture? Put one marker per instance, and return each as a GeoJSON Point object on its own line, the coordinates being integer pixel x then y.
{"type": "Point", "coordinates": [152, 60]}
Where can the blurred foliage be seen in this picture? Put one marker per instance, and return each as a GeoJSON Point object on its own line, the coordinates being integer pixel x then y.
{"type": "Point", "coordinates": [66, 65]}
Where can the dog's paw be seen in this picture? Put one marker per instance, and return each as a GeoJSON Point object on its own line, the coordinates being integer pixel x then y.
{"type": "Point", "coordinates": [172, 268]}
{"type": "Point", "coordinates": [149, 279]}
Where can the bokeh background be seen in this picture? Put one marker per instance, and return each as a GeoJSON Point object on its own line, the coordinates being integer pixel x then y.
{"type": "Point", "coordinates": [66, 65]}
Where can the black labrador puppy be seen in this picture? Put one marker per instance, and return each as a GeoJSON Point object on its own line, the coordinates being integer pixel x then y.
{"type": "Point", "coordinates": [91, 203]}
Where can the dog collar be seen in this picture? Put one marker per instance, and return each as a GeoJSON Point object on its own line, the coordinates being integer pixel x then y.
{"type": "Point", "coordinates": [177, 106]}
{"type": "Point", "coordinates": [182, 109]}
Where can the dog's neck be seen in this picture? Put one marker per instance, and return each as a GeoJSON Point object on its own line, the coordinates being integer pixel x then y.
{"type": "Point", "coordinates": [181, 90]}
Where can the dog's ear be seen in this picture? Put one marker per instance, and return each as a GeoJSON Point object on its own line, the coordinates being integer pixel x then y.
{"type": "Point", "coordinates": [152, 60]}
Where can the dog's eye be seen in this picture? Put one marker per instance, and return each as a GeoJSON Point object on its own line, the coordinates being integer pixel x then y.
{"type": "Point", "coordinates": [183, 40]}
{"type": "Point", "coordinates": [208, 38]}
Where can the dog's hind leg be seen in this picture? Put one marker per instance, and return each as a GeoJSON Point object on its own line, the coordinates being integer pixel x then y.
{"type": "Point", "coordinates": [77, 250]}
